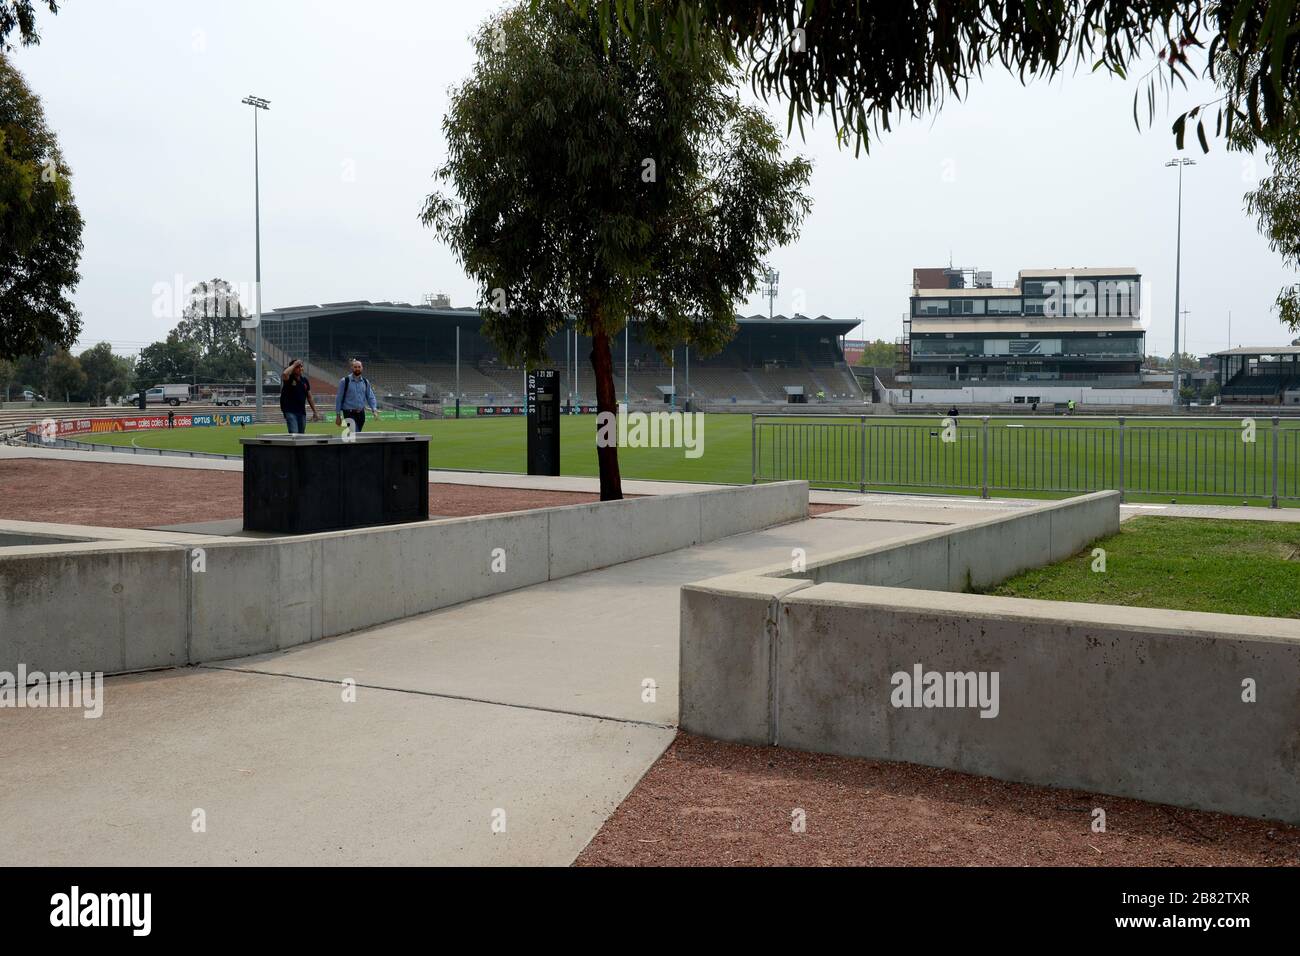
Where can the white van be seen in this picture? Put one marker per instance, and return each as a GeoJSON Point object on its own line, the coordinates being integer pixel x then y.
{"type": "Point", "coordinates": [167, 394]}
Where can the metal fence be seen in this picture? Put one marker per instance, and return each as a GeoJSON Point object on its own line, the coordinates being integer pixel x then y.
{"type": "Point", "coordinates": [1197, 458]}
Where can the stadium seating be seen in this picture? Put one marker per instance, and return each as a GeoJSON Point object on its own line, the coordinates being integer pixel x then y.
{"type": "Point", "coordinates": [1260, 387]}
{"type": "Point", "coordinates": [501, 385]}
{"type": "Point", "coordinates": [410, 358]}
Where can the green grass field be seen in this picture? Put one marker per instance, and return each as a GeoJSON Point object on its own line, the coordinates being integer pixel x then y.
{"type": "Point", "coordinates": [1186, 564]}
{"type": "Point", "coordinates": [498, 444]}
{"type": "Point", "coordinates": [1046, 456]}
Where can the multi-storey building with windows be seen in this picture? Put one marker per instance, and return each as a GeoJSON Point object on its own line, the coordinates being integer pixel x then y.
{"type": "Point", "coordinates": [1051, 336]}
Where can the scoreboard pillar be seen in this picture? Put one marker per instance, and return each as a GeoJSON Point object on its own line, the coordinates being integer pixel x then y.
{"type": "Point", "coordinates": [543, 422]}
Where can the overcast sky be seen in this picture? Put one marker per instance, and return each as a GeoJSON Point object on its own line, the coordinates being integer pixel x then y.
{"type": "Point", "coordinates": [145, 98]}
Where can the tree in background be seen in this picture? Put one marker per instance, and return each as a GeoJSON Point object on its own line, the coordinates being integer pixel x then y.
{"type": "Point", "coordinates": [597, 182]}
{"type": "Point", "coordinates": [20, 15]}
{"type": "Point", "coordinates": [29, 370]}
{"type": "Point", "coordinates": [172, 361]}
{"type": "Point", "coordinates": [64, 377]}
{"type": "Point", "coordinates": [1275, 200]}
{"type": "Point", "coordinates": [211, 323]}
{"type": "Point", "coordinates": [879, 354]}
{"type": "Point", "coordinates": [211, 317]}
{"type": "Point", "coordinates": [106, 374]}
{"type": "Point", "coordinates": [1275, 203]}
{"type": "Point", "coordinates": [40, 227]}
{"type": "Point", "coordinates": [868, 62]}
{"type": "Point", "coordinates": [1186, 360]}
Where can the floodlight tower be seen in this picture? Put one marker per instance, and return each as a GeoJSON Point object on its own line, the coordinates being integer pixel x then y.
{"type": "Point", "coordinates": [1178, 264]}
{"type": "Point", "coordinates": [770, 280]}
{"type": "Point", "coordinates": [258, 104]}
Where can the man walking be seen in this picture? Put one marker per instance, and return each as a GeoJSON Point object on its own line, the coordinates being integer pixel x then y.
{"type": "Point", "coordinates": [295, 396]}
{"type": "Point", "coordinates": [354, 396]}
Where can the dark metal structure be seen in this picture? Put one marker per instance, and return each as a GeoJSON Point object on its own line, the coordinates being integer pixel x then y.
{"type": "Point", "coordinates": [296, 484]}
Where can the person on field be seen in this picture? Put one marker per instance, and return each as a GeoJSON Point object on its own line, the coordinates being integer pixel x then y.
{"type": "Point", "coordinates": [295, 396]}
{"type": "Point", "coordinates": [1069, 407]}
{"type": "Point", "coordinates": [354, 396]}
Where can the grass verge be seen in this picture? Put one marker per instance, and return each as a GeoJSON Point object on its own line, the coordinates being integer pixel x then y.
{"type": "Point", "coordinates": [1184, 564]}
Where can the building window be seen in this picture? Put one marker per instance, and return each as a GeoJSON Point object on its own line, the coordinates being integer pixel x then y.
{"type": "Point", "coordinates": [1119, 297]}
{"type": "Point", "coordinates": [948, 345]}
{"type": "Point", "coordinates": [968, 307]}
{"type": "Point", "coordinates": [931, 307]}
{"type": "Point", "coordinates": [1004, 306]}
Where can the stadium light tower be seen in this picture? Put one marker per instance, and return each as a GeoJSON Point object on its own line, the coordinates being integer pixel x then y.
{"type": "Point", "coordinates": [1178, 264]}
{"type": "Point", "coordinates": [770, 279]}
{"type": "Point", "coordinates": [258, 104]}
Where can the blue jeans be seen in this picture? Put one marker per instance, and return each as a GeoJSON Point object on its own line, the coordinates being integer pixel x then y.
{"type": "Point", "coordinates": [297, 422]}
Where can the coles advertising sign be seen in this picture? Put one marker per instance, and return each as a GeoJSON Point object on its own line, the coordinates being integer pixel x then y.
{"type": "Point", "coordinates": [50, 429]}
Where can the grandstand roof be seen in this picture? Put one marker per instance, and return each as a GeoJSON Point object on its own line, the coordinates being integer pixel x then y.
{"type": "Point", "coordinates": [364, 305]}
{"type": "Point", "coordinates": [837, 326]}
{"type": "Point", "coordinates": [1261, 350]}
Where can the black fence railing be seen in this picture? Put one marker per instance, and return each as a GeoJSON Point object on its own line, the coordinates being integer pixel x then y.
{"type": "Point", "coordinates": [1199, 458]}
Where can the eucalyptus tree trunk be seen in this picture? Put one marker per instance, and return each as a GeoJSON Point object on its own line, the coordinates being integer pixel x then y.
{"type": "Point", "coordinates": [602, 363]}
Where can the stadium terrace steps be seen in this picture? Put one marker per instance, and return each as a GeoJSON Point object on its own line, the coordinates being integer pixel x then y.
{"type": "Point", "coordinates": [504, 386]}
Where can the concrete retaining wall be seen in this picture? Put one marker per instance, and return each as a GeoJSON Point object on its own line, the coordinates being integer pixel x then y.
{"type": "Point", "coordinates": [1135, 702]}
{"type": "Point", "coordinates": [975, 555]}
{"type": "Point", "coordinates": [101, 606]}
{"type": "Point", "coordinates": [117, 606]}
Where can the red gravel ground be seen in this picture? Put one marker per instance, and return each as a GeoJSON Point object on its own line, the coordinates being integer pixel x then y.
{"type": "Point", "coordinates": [145, 496]}
{"type": "Point", "coordinates": [706, 803]}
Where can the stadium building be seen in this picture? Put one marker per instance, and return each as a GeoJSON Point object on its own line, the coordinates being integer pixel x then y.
{"type": "Point", "coordinates": [410, 355]}
{"type": "Point", "coordinates": [1268, 376]}
{"type": "Point", "coordinates": [1052, 336]}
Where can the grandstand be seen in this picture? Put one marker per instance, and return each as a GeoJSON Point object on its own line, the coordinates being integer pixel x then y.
{"type": "Point", "coordinates": [410, 353]}
{"type": "Point", "coordinates": [1269, 375]}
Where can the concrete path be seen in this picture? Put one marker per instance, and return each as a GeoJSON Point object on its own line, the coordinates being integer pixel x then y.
{"type": "Point", "coordinates": [1258, 512]}
{"type": "Point", "coordinates": [528, 708]}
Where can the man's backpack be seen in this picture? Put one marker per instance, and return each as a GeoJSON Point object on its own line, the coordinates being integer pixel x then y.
{"type": "Point", "coordinates": [347, 384]}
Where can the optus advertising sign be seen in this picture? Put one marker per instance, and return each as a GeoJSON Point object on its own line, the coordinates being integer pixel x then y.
{"type": "Point", "coordinates": [64, 428]}
{"type": "Point", "coordinates": [221, 418]}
